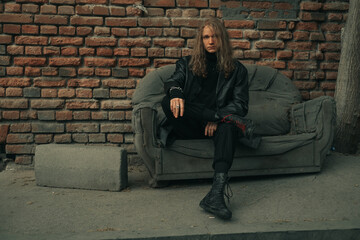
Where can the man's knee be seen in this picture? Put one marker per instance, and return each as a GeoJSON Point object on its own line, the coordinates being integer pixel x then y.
{"type": "Point", "coordinates": [226, 128]}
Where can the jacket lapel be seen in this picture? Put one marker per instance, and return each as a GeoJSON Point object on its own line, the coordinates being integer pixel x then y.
{"type": "Point", "coordinates": [220, 83]}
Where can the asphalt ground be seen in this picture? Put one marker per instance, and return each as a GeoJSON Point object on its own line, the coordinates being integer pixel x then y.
{"type": "Point", "coordinates": [317, 206]}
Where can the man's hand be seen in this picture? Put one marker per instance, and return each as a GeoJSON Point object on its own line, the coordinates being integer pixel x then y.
{"type": "Point", "coordinates": [177, 106]}
{"type": "Point", "coordinates": [210, 129]}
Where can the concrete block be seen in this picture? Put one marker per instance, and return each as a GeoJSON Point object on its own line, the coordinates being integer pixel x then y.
{"type": "Point", "coordinates": [81, 166]}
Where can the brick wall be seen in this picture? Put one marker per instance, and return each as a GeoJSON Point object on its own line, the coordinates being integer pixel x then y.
{"type": "Point", "coordinates": [68, 68]}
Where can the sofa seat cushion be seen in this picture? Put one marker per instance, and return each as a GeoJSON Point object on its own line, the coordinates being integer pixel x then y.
{"type": "Point", "coordinates": [270, 145]}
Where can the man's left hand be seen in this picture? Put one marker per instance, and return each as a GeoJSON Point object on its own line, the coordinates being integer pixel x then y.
{"type": "Point", "coordinates": [210, 129]}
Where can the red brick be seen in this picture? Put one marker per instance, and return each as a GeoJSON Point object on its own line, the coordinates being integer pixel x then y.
{"type": "Point", "coordinates": [299, 65]}
{"type": "Point", "coordinates": [331, 75]}
{"type": "Point", "coordinates": [330, 56]}
{"type": "Point", "coordinates": [82, 104]}
{"type": "Point", "coordinates": [83, 31]}
{"type": "Point", "coordinates": [268, 25]}
{"type": "Point", "coordinates": [92, 1]}
{"type": "Point", "coordinates": [103, 72]}
{"type": "Point", "coordinates": [119, 22]}
{"type": "Point", "coordinates": [66, 10]}
{"type": "Point", "coordinates": [43, 138]}
{"type": "Point", "coordinates": [115, 138]}
{"type": "Point", "coordinates": [30, 8]}
{"type": "Point", "coordinates": [5, 60]}
{"type": "Point", "coordinates": [133, 11]}
{"type": "Point", "coordinates": [163, 62]}
{"type": "Point", "coordinates": [300, 45]}
{"type": "Point", "coordinates": [116, 104]}
{"type": "Point", "coordinates": [97, 41]}
{"type": "Point", "coordinates": [335, 16]}
{"type": "Point", "coordinates": [20, 127]}
{"type": "Point", "coordinates": [14, 71]}
{"type": "Point", "coordinates": [311, 6]}
{"type": "Point", "coordinates": [11, 28]}
{"type": "Point", "coordinates": [31, 40]}
{"type": "Point", "coordinates": [186, 22]}
{"type": "Point", "coordinates": [69, 51]}
{"type": "Point", "coordinates": [62, 138]}
{"type": "Point", "coordinates": [33, 50]}
{"type": "Point", "coordinates": [159, 3]}
{"type": "Point", "coordinates": [51, 19]}
{"type": "Point", "coordinates": [78, 20]}
{"type": "Point", "coordinates": [270, 44]}
{"type": "Point", "coordinates": [48, 9]}
{"type": "Point", "coordinates": [47, 104]}
{"type": "Point", "coordinates": [11, 115]}
{"type": "Point", "coordinates": [119, 83]}
{"type": "Point", "coordinates": [154, 22]}
{"type": "Point", "coordinates": [312, 16]}
{"type": "Point", "coordinates": [330, 47]}
{"type": "Point", "coordinates": [273, 64]}
{"type": "Point", "coordinates": [66, 93]}
{"type": "Point", "coordinates": [119, 32]}
{"type": "Point", "coordinates": [20, 149]}
{"type": "Point", "coordinates": [51, 51]}
{"type": "Point", "coordinates": [332, 27]}
{"type": "Point", "coordinates": [64, 115]}
{"type": "Point", "coordinates": [84, 83]}
{"type": "Point", "coordinates": [102, 31]}
{"type": "Point", "coordinates": [65, 30]}
{"type": "Point", "coordinates": [337, 6]}
{"type": "Point", "coordinates": [12, 7]}
{"type": "Point", "coordinates": [284, 35]}
{"type": "Point", "coordinates": [242, 44]}
{"type": "Point", "coordinates": [48, 93]}
{"type": "Point", "coordinates": [86, 71]}
{"type": "Point", "coordinates": [267, 54]}
{"type": "Point", "coordinates": [257, 4]}
{"type": "Point", "coordinates": [307, 26]}
{"type": "Point", "coordinates": [81, 115]}
{"type": "Point", "coordinates": [138, 52]}
{"type": "Point", "coordinates": [66, 41]}
{"type": "Point", "coordinates": [29, 61]}
{"type": "Point", "coordinates": [134, 72]}
{"type": "Point", "coordinates": [306, 85]}
{"type": "Point", "coordinates": [49, 82]}
{"type": "Point", "coordinates": [13, 103]}
{"type": "Point", "coordinates": [117, 11]}
{"type": "Point", "coordinates": [83, 93]}
{"type": "Point", "coordinates": [333, 37]}
{"type": "Point", "coordinates": [136, 32]}
{"type": "Point", "coordinates": [301, 55]}
{"type": "Point", "coordinates": [135, 42]}
{"type": "Point", "coordinates": [4, 129]}
{"type": "Point", "coordinates": [100, 62]}
{"type": "Point", "coordinates": [173, 13]}
{"type": "Point", "coordinates": [134, 62]}
{"type": "Point", "coordinates": [48, 29]}
{"type": "Point", "coordinates": [99, 115]}
{"type": "Point", "coordinates": [156, 12]}
{"type": "Point", "coordinates": [15, 18]}
{"type": "Point", "coordinates": [5, 39]}
{"type": "Point", "coordinates": [32, 72]}
{"type": "Point", "coordinates": [117, 93]}
{"type": "Point", "coordinates": [121, 2]}
{"type": "Point", "coordinates": [233, 33]}
{"type": "Point", "coordinates": [15, 82]}
{"type": "Point", "coordinates": [86, 51]}
{"type": "Point", "coordinates": [121, 52]}
{"type": "Point", "coordinates": [83, 10]}
{"type": "Point", "coordinates": [13, 92]}
{"type": "Point", "coordinates": [101, 10]}
{"type": "Point", "coordinates": [20, 138]}
{"type": "Point", "coordinates": [64, 61]}
{"type": "Point", "coordinates": [302, 36]}
{"type": "Point", "coordinates": [106, 52]}
{"type": "Point", "coordinates": [169, 42]}
{"type": "Point", "coordinates": [15, 50]}
{"type": "Point", "coordinates": [329, 66]}
{"type": "Point", "coordinates": [49, 71]}
{"type": "Point", "coordinates": [156, 52]}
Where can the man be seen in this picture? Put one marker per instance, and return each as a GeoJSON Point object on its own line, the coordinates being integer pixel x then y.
{"type": "Point", "coordinates": [205, 98]}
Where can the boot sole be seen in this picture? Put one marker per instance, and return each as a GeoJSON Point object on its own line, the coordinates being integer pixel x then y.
{"type": "Point", "coordinates": [209, 209]}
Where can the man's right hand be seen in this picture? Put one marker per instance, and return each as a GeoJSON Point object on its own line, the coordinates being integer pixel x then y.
{"type": "Point", "coordinates": [177, 106]}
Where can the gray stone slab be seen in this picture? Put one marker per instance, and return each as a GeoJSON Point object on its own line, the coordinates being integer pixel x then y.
{"type": "Point", "coordinates": [80, 166]}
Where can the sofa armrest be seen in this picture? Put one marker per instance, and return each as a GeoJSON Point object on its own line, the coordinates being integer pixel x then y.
{"type": "Point", "coordinates": [144, 123]}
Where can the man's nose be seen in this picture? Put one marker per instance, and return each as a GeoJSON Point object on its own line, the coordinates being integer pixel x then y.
{"type": "Point", "coordinates": [211, 40]}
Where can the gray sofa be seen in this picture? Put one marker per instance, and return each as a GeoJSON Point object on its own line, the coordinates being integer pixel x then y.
{"type": "Point", "coordinates": [296, 135]}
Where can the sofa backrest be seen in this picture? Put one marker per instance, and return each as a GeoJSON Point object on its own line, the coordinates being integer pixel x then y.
{"type": "Point", "coordinates": [271, 95]}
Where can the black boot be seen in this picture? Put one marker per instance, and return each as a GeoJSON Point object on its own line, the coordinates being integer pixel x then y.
{"type": "Point", "coordinates": [214, 201]}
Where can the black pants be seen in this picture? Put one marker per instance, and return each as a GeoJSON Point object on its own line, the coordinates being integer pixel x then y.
{"type": "Point", "coordinates": [192, 126]}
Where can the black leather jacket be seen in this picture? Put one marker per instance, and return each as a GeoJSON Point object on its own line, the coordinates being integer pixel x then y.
{"type": "Point", "coordinates": [232, 93]}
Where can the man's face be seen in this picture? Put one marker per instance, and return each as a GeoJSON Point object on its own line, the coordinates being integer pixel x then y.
{"type": "Point", "coordinates": [210, 40]}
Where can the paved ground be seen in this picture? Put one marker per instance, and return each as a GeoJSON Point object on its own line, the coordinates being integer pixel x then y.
{"type": "Point", "coordinates": [307, 206]}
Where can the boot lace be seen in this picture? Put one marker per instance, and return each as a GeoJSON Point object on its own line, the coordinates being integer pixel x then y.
{"type": "Point", "coordinates": [228, 193]}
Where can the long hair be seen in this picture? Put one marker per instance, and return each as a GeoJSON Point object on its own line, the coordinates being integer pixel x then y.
{"type": "Point", "coordinates": [224, 54]}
